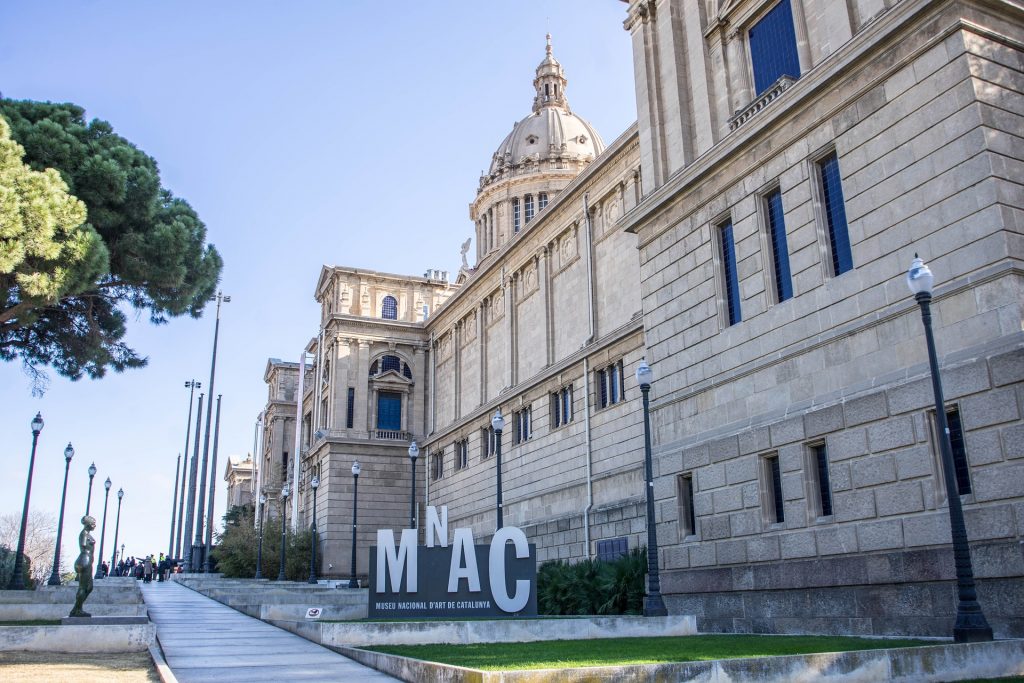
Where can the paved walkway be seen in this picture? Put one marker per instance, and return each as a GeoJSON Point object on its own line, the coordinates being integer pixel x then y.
{"type": "Point", "coordinates": [204, 641]}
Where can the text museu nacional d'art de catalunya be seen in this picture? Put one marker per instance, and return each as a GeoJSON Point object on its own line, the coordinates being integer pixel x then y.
{"type": "Point", "coordinates": [456, 579]}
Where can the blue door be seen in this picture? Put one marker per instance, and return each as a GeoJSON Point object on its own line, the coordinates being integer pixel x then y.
{"type": "Point", "coordinates": [389, 410]}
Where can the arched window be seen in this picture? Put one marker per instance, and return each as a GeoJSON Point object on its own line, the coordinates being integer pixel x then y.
{"type": "Point", "coordinates": [390, 363]}
{"type": "Point", "coordinates": [389, 308]}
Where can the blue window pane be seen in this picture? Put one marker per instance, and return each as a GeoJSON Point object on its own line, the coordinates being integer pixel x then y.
{"type": "Point", "coordinates": [390, 363]}
{"type": "Point", "coordinates": [389, 308]}
{"type": "Point", "coordinates": [835, 214]}
{"type": "Point", "coordinates": [389, 410]}
{"type": "Point", "coordinates": [351, 411]}
{"type": "Point", "coordinates": [780, 252]}
{"type": "Point", "coordinates": [732, 285]}
{"type": "Point", "coordinates": [773, 47]}
{"type": "Point", "coordinates": [516, 223]}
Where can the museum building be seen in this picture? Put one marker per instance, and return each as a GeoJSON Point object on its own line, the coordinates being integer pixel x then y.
{"type": "Point", "coordinates": [748, 237]}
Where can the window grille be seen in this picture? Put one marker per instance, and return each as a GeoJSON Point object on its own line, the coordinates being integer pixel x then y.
{"type": "Point", "coordinates": [350, 413]}
{"type": "Point", "coordinates": [389, 411]}
{"type": "Point", "coordinates": [542, 200]}
{"type": "Point", "coordinates": [823, 483]}
{"type": "Point", "coordinates": [729, 274]}
{"type": "Point", "coordinates": [835, 214]}
{"type": "Point", "coordinates": [780, 253]}
{"type": "Point", "coordinates": [773, 51]}
{"type": "Point", "coordinates": [516, 222]}
{"type": "Point", "coordinates": [612, 549]}
{"type": "Point", "coordinates": [388, 363]}
{"type": "Point", "coordinates": [529, 207]}
{"type": "Point", "coordinates": [389, 308]}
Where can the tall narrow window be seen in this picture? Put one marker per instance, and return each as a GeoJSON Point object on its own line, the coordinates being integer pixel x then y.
{"type": "Point", "coordinates": [834, 209]}
{"type": "Point", "coordinates": [389, 308]}
{"type": "Point", "coordinates": [542, 200]}
{"type": "Point", "coordinates": [516, 221]}
{"type": "Point", "coordinates": [602, 392]}
{"type": "Point", "coordinates": [609, 385]}
{"type": "Point", "coordinates": [529, 207]}
{"type": "Point", "coordinates": [566, 404]}
{"type": "Point", "coordinates": [389, 411]}
{"type": "Point", "coordinates": [687, 519]}
{"type": "Point", "coordinates": [773, 504]}
{"type": "Point", "coordinates": [959, 450]}
{"type": "Point", "coordinates": [350, 411]}
{"type": "Point", "coordinates": [773, 47]}
{"type": "Point", "coordinates": [729, 274]}
{"type": "Point", "coordinates": [461, 454]}
{"type": "Point", "coordinates": [437, 465]}
{"type": "Point", "coordinates": [614, 383]}
{"type": "Point", "coordinates": [521, 425]}
{"type": "Point", "coordinates": [780, 252]}
{"type": "Point", "coordinates": [487, 442]}
{"type": "Point", "coordinates": [822, 481]}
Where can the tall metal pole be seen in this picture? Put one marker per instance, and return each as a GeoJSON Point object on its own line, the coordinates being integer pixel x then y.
{"type": "Point", "coordinates": [88, 499]}
{"type": "Point", "coordinates": [654, 604]}
{"type": "Point", "coordinates": [352, 583]}
{"type": "Point", "coordinates": [190, 511]}
{"type": "Point", "coordinates": [314, 484]}
{"type": "Point", "coordinates": [69, 453]}
{"type": "Point", "coordinates": [174, 504]}
{"type": "Point", "coordinates": [103, 531]}
{"type": "Point", "coordinates": [197, 562]}
{"type": "Point", "coordinates": [414, 452]}
{"type": "Point", "coordinates": [192, 385]}
{"type": "Point", "coordinates": [208, 565]}
{"type": "Point", "coordinates": [284, 502]}
{"type": "Point", "coordinates": [17, 581]}
{"type": "Point", "coordinates": [259, 553]}
{"type": "Point", "coordinates": [498, 424]}
{"type": "Point", "coordinates": [117, 529]}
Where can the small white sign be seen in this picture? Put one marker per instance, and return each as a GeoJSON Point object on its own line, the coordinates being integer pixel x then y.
{"type": "Point", "coordinates": [313, 613]}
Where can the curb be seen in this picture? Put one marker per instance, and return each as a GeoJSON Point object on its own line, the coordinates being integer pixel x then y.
{"type": "Point", "coordinates": [162, 670]}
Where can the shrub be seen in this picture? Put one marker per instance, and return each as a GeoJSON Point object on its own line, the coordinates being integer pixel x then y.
{"type": "Point", "coordinates": [237, 547]}
{"type": "Point", "coordinates": [593, 586]}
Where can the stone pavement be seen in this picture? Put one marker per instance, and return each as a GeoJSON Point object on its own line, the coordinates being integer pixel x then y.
{"type": "Point", "coordinates": [204, 640]}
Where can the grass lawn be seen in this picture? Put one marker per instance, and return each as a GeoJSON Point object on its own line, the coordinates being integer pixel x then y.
{"type": "Point", "coordinates": [623, 651]}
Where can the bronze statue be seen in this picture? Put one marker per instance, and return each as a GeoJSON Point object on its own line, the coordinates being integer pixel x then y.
{"type": "Point", "coordinates": [83, 566]}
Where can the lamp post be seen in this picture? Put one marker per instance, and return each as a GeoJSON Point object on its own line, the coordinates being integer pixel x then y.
{"type": "Point", "coordinates": [198, 543]}
{"type": "Point", "coordinates": [414, 452]}
{"type": "Point", "coordinates": [103, 530]}
{"type": "Point", "coordinates": [117, 529]}
{"type": "Point", "coordinates": [259, 552]}
{"type": "Point", "coordinates": [970, 625]}
{"type": "Point", "coordinates": [356, 469]}
{"type": "Point", "coordinates": [190, 509]}
{"type": "Point", "coordinates": [654, 605]}
{"type": "Point", "coordinates": [315, 483]}
{"type": "Point", "coordinates": [69, 453]}
{"type": "Point", "coordinates": [88, 498]}
{"type": "Point", "coordinates": [498, 423]}
{"type": "Point", "coordinates": [191, 385]}
{"type": "Point", "coordinates": [18, 577]}
{"type": "Point", "coordinates": [284, 503]}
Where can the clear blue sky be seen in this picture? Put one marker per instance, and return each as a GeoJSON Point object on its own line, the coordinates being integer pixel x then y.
{"type": "Point", "coordinates": [303, 133]}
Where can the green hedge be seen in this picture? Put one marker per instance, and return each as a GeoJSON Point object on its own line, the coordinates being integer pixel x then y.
{"type": "Point", "coordinates": [593, 586]}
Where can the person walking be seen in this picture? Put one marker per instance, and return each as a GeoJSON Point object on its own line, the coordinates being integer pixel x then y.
{"type": "Point", "coordinates": [147, 569]}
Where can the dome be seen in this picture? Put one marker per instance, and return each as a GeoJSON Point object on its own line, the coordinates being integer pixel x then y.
{"type": "Point", "coordinates": [552, 137]}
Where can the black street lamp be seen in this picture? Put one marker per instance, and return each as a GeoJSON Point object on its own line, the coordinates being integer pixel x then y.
{"type": "Point", "coordinates": [498, 423]}
{"type": "Point", "coordinates": [103, 531]}
{"type": "Point", "coordinates": [259, 552]}
{"type": "Point", "coordinates": [69, 453]}
{"type": "Point", "coordinates": [970, 625]}
{"type": "Point", "coordinates": [414, 452]}
{"type": "Point", "coordinates": [117, 529]}
{"type": "Point", "coordinates": [315, 483]}
{"type": "Point", "coordinates": [654, 605]}
{"type": "Point", "coordinates": [352, 583]}
{"type": "Point", "coordinates": [88, 499]}
{"type": "Point", "coordinates": [284, 504]}
{"type": "Point", "coordinates": [18, 578]}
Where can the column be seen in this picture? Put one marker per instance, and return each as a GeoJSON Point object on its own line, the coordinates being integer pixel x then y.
{"type": "Point", "coordinates": [361, 420]}
{"type": "Point", "coordinates": [543, 274]}
{"type": "Point", "coordinates": [481, 329]}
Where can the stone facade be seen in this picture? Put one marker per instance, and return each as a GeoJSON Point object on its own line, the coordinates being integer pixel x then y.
{"type": "Point", "coordinates": [914, 99]}
{"type": "Point", "coordinates": [749, 237]}
{"type": "Point", "coordinates": [238, 475]}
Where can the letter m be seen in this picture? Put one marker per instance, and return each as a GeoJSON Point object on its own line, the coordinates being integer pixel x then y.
{"type": "Point", "coordinates": [396, 562]}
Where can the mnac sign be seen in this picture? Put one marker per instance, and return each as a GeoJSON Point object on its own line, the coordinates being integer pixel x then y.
{"type": "Point", "coordinates": [460, 579]}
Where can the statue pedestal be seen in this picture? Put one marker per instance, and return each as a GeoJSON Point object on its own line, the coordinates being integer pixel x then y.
{"type": "Point", "coordinates": [102, 621]}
